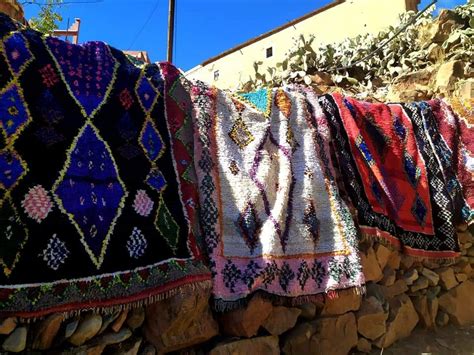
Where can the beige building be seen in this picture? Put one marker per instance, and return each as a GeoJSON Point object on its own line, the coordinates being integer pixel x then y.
{"type": "Point", "coordinates": [331, 23]}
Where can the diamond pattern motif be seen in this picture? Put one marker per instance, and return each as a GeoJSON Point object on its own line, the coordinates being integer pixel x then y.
{"type": "Point", "coordinates": [156, 180]}
{"type": "Point", "coordinates": [14, 114]}
{"type": "Point", "coordinates": [311, 221]}
{"type": "Point", "coordinates": [12, 169]}
{"type": "Point", "coordinates": [37, 203]}
{"type": "Point", "coordinates": [136, 244]}
{"type": "Point", "coordinates": [90, 191]}
{"type": "Point", "coordinates": [55, 253]}
{"type": "Point", "coordinates": [260, 100]}
{"type": "Point", "coordinates": [240, 134]}
{"type": "Point", "coordinates": [13, 236]}
{"type": "Point", "coordinates": [249, 226]}
{"type": "Point", "coordinates": [167, 226]}
{"type": "Point", "coordinates": [89, 71]}
{"type": "Point", "coordinates": [419, 210]}
{"type": "Point", "coordinates": [146, 94]}
{"type": "Point", "coordinates": [17, 52]}
{"type": "Point", "coordinates": [413, 172]}
{"type": "Point", "coordinates": [151, 141]}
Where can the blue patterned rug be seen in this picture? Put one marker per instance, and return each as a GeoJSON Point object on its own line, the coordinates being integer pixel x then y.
{"type": "Point", "coordinates": [95, 208]}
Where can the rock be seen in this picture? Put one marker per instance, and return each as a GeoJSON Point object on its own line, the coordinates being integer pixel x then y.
{"type": "Point", "coordinates": [86, 330]}
{"type": "Point", "coordinates": [136, 317]}
{"type": "Point", "coordinates": [429, 264]}
{"type": "Point", "coordinates": [463, 266]}
{"type": "Point", "coordinates": [308, 311]}
{"type": "Point", "coordinates": [465, 237]}
{"type": "Point", "coordinates": [399, 287]}
{"type": "Point", "coordinates": [420, 284]}
{"type": "Point", "coordinates": [370, 266]}
{"type": "Point", "coordinates": [89, 349]}
{"type": "Point", "coordinates": [447, 75]}
{"type": "Point", "coordinates": [444, 25]}
{"type": "Point", "coordinates": [461, 277]}
{"type": "Point", "coordinates": [47, 331]}
{"type": "Point", "coordinates": [7, 325]}
{"type": "Point", "coordinates": [130, 347]}
{"type": "Point", "coordinates": [148, 349]}
{"type": "Point", "coordinates": [322, 78]}
{"type": "Point", "coordinates": [410, 276]}
{"type": "Point", "coordinates": [465, 90]}
{"type": "Point", "coordinates": [377, 291]}
{"type": "Point", "coordinates": [16, 341]}
{"type": "Point", "coordinates": [402, 320]}
{"type": "Point", "coordinates": [458, 303]}
{"type": "Point", "coordinates": [394, 260]}
{"type": "Point", "coordinates": [389, 276]}
{"type": "Point", "coordinates": [180, 321]}
{"type": "Point", "coordinates": [433, 291]}
{"type": "Point", "coordinates": [281, 319]}
{"type": "Point", "coordinates": [71, 327]}
{"type": "Point", "coordinates": [447, 279]}
{"type": "Point", "coordinates": [299, 340]}
{"type": "Point", "coordinates": [260, 345]}
{"type": "Point", "coordinates": [420, 94]}
{"type": "Point", "coordinates": [107, 320]}
{"type": "Point", "coordinates": [470, 251]}
{"type": "Point", "coordinates": [347, 300]}
{"type": "Point", "coordinates": [427, 310]}
{"type": "Point", "coordinates": [433, 277]}
{"type": "Point", "coordinates": [245, 322]}
{"type": "Point", "coordinates": [412, 86]}
{"type": "Point", "coordinates": [364, 346]}
{"type": "Point", "coordinates": [436, 53]}
{"type": "Point", "coordinates": [115, 337]}
{"type": "Point", "coordinates": [406, 262]}
{"type": "Point", "coordinates": [442, 319]}
{"type": "Point", "coordinates": [117, 325]}
{"type": "Point", "coordinates": [335, 335]}
{"type": "Point", "coordinates": [371, 318]}
{"type": "Point", "coordinates": [383, 254]}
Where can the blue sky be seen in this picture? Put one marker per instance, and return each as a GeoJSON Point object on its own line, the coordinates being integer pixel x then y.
{"type": "Point", "coordinates": [204, 27]}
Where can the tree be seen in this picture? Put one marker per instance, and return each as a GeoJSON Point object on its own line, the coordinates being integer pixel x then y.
{"type": "Point", "coordinates": [48, 16]}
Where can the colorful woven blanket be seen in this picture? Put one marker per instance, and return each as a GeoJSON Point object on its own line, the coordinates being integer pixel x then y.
{"type": "Point", "coordinates": [97, 197]}
{"type": "Point", "coordinates": [271, 213]}
{"type": "Point", "coordinates": [455, 124]}
{"type": "Point", "coordinates": [397, 172]}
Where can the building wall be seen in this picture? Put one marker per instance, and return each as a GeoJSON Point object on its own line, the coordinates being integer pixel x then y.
{"type": "Point", "coordinates": [349, 18]}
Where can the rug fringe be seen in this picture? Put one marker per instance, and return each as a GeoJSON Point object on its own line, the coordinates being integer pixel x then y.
{"type": "Point", "coordinates": [442, 261]}
{"type": "Point", "coordinates": [109, 310]}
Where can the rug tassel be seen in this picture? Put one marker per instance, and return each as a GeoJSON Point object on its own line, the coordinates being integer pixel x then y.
{"type": "Point", "coordinates": [185, 289]}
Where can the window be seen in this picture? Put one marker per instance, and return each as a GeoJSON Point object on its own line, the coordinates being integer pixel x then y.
{"type": "Point", "coordinates": [269, 52]}
{"type": "Point", "coordinates": [216, 75]}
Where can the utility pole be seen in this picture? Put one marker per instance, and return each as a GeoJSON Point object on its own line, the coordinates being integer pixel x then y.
{"type": "Point", "coordinates": [170, 30]}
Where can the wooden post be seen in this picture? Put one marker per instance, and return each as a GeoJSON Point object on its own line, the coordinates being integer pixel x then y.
{"type": "Point", "coordinates": [170, 30]}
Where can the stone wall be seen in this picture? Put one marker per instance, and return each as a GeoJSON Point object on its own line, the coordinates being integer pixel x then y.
{"type": "Point", "coordinates": [402, 293]}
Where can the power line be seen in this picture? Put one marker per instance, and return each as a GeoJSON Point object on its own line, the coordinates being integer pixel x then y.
{"type": "Point", "coordinates": [144, 24]}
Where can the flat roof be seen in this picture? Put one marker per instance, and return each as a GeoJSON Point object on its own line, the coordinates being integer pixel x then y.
{"type": "Point", "coordinates": [275, 30]}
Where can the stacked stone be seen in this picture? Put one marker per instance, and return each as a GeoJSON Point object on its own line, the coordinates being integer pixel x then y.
{"type": "Point", "coordinates": [89, 333]}
{"type": "Point", "coordinates": [402, 293]}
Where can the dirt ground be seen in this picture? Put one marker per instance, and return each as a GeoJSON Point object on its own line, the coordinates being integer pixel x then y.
{"type": "Point", "coordinates": [450, 340]}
